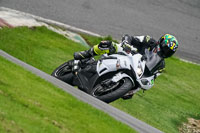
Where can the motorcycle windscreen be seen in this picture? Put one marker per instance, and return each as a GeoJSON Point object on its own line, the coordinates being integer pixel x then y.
{"type": "Point", "coordinates": [153, 61]}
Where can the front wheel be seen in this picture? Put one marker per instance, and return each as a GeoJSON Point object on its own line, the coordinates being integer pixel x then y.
{"type": "Point", "coordinates": [112, 92]}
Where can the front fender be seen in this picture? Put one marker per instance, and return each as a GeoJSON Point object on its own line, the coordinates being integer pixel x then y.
{"type": "Point", "coordinates": [120, 76]}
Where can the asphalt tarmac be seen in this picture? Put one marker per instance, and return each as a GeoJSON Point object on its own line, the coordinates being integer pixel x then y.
{"type": "Point", "coordinates": [116, 17]}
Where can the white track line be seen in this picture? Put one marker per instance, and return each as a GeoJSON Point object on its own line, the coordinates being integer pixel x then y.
{"type": "Point", "coordinates": [48, 21]}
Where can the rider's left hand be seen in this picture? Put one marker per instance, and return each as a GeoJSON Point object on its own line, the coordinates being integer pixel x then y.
{"type": "Point", "coordinates": [126, 47]}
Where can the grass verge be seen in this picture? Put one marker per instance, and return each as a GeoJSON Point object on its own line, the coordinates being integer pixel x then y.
{"type": "Point", "coordinates": [174, 97]}
{"type": "Point", "coordinates": [171, 101]}
{"type": "Point", "coordinates": [29, 104]}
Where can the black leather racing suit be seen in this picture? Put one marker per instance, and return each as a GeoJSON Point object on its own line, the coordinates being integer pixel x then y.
{"type": "Point", "coordinates": [148, 47]}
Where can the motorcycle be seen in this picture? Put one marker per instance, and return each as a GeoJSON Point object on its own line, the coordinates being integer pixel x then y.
{"type": "Point", "coordinates": [112, 76]}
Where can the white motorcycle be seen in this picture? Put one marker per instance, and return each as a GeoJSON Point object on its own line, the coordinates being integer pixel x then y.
{"type": "Point", "coordinates": [112, 76]}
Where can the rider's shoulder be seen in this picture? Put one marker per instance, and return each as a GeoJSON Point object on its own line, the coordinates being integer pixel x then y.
{"type": "Point", "coordinates": [143, 38]}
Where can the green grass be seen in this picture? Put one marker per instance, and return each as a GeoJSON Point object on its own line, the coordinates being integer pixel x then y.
{"type": "Point", "coordinates": [174, 97]}
{"type": "Point", "coordinates": [92, 40]}
{"type": "Point", "coordinates": [29, 104]}
{"type": "Point", "coordinates": [39, 47]}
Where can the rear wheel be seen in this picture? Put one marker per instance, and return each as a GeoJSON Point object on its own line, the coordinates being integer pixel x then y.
{"type": "Point", "coordinates": [64, 72]}
{"type": "Point", "coordinates": [111, 91]}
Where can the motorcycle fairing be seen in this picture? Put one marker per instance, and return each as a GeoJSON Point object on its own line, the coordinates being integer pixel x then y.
{"type": "Point", "coordinates": [114, 63]}
{"type": "Point", "coordinates": [146, 82]}
{"type": "Point", "coordinates": [153, 61]}
{"type": "Point", "coordinates": [87, 77]}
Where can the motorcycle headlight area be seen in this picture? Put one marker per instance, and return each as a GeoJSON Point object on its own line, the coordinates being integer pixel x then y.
{"type": "Point", "coordinates": [139, 70]}
{"type": "Point", "coordinates": [146, 83]}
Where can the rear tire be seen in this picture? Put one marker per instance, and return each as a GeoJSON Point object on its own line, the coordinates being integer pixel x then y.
{"type": "Point", "coordinates": [64, 73]}
{"type": "Point", "coordinates": [125, 86]}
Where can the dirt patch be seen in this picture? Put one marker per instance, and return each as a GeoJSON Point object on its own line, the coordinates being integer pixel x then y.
{"type": "Point", "coordinates": [192, 126]}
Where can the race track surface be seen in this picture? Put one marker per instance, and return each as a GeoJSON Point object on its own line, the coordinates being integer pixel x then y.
{"type": "Point", "coordinates": [117, 17]}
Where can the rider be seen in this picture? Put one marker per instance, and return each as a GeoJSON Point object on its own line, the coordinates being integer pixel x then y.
{"type": "Point", "coordinates": [165, 47]}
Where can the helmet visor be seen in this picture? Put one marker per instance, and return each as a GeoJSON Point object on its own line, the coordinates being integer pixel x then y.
{"type": "Point", "coordinates": [167, 52]}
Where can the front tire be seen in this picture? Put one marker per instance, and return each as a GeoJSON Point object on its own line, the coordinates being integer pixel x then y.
{"type": "Point", "coordinates": [117, 91]}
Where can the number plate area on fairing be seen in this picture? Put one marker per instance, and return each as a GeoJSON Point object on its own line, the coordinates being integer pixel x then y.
{"type": "Point", "coordinates": [109, 65]}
